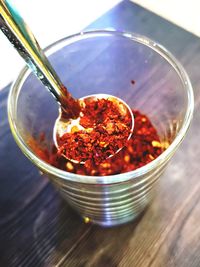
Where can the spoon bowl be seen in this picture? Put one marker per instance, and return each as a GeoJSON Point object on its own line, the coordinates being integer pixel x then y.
{"type": "Point", "coordinates": [63, 125]}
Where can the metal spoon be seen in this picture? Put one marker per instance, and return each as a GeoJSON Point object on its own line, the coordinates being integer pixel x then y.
{"type": "Point", "coordinates": [20, 36]}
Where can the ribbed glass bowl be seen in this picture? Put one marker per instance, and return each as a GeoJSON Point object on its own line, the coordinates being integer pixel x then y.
{"type": "Point", "coordinates": [106, 62]}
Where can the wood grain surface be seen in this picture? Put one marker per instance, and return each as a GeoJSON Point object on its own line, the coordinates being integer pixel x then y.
{"type": "Point", "coordinates": [37, 228]}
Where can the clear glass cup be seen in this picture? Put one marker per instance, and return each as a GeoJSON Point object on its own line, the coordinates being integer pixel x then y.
{"type": "Point", "coordinates": [106, 62]}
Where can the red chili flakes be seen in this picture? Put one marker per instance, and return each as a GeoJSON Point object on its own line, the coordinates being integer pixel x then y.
{"type": "Point", "coordinates": [143, 147]}
{"type": "Point", "coordinates": [107, 126]}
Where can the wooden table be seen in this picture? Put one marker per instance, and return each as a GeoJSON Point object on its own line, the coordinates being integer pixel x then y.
{"type": "Point", "coordinates": [39, 229]}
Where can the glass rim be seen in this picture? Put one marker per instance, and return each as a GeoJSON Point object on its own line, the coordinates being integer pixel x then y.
{"type": "Point", "coordinates": [116, 178]}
